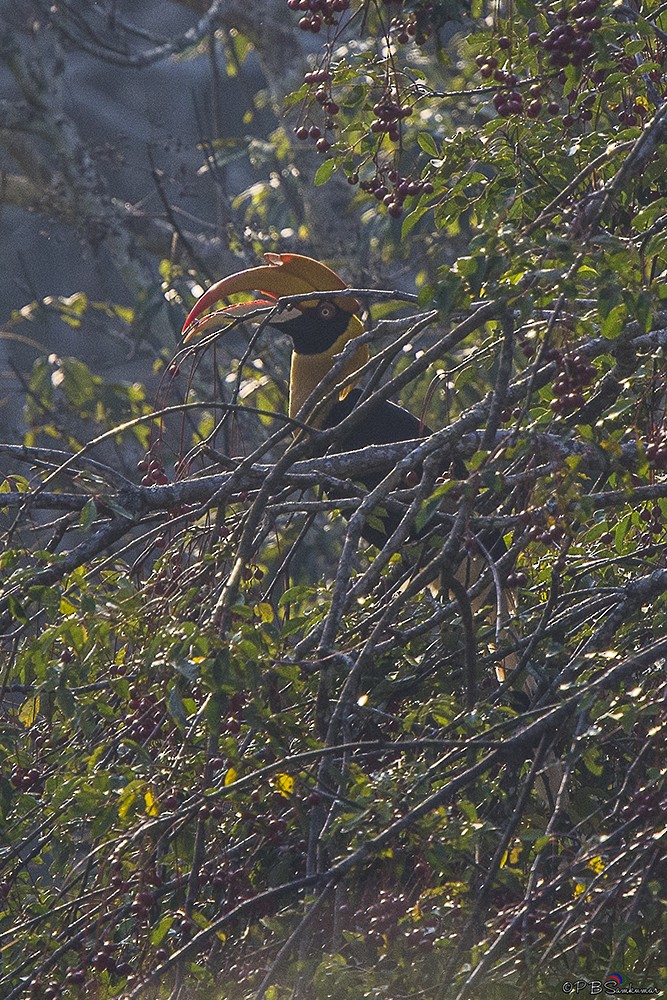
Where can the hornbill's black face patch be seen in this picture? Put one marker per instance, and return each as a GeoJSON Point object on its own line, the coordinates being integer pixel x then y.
{"type": "Point", "coordinates": [314, 329]}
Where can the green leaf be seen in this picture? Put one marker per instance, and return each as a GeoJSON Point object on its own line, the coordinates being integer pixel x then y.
{"type": "Point", "coordinates": [159, 933]}
{"type": "Point", "coordinates": [295, 595]}
{"type": "Point", "coordinates": [176, 708]}
{"type": "Point", "coordinates": [324, 172]}
{"type": "Point", "coordinates": [609, 296]}
{"type": "Point", "coordinates": [413, 218]}
{"type": "Point", "coordinates": [29, 711]}
{"type": "Point", "coordinates": [614, 322]}
{"type": "Point", "coordinates": [643, 310]}
{"type": "Point", "coordinates": [296, 97]}
{"type": "Point", "coordinates": [88, 514]}
{"type": "Point", "coordinates": [16, 609]}
{"type": "Point", "coordinates": [427, 143]}
{"type": "Point", "coordinates": [65, 701]}
{"type": "Point", "coordinates": [432, 504]}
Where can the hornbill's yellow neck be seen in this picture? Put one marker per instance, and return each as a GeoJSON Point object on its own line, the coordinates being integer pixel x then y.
{"type": "Point", "coordinates": [319, 328]}
{"type": "Point", "coordinates": [309, 369]}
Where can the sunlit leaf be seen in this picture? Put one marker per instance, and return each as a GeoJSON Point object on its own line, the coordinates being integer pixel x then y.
{"type": "Point", "coordinates": [29, 711]}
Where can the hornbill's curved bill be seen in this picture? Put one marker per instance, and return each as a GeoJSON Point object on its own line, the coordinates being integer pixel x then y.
{"type": "Point", "coordinates": [319, 329]}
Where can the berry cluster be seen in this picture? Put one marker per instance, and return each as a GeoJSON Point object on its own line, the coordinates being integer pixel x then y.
{"type": "Point", "coordinates": [227, 881]}
{"type": "Point", "coordinates": [389, 113]}
{"type": "Point", "coordinates": [652, 522]}
{"type": "Point", "coordinates": [171, 799]}
{"type": "Point", "coordinates": [656, 452]}
{"type": "Point", "coordinates": [318, 12]}
{"type": "Point", "coordinates": [574, 375]}
{"type": "Point", "coordinates": [380, 917]}
{"type": "Point", "coordinates": [104, 959]}
{"type": "Point", "coordinates": [142, 904]}
{"type": "Point", "coordinates": [425, 17]}
{"type": "Point", "coordinates": [548, 536]}
{"type": "Point", "coordinates": [322, 143]}
{"type": "Point", "coordinates": [566, 43]}
{"type": "Point", "coordinates": [46, 991]}
{"type": "Point", "coordinates": [404, 31]}
{"type": "Point", "coordinates": [379, 921]}
{"type": "Point", "coordinates": [27, 780]}
{"type": "Point", "coordinates": [392, 189]}
{"type": "Point", "coordinates": [540, 528]}
{"type": "Point", "coordinates": [155, 474]}
{"type": "Point", "coordinates": [147, 719]}
{"type": "Point", "coordinates": [646, 803]}
{"type": "Point", "coordinates": [507, 100]}
{"type": "Point", "coordinates": [323, 96]}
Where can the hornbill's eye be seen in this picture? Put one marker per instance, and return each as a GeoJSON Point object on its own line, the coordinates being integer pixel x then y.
{"type": "Point", "coordinates": [326, 310]}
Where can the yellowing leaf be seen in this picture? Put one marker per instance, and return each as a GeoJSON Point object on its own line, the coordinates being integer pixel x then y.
{"type": "Point", "coordinates": [596, 864]}
{"type": "Point", "coordinates": [264, 611]}
{"type": "Point", "coordinates": [511, 856]}
{"type": "Point", "coordinates": [230, 777]}
{"type": "Point", "coordinates": [66, 607]}
{"type": "Point", "coordinates": [579, 889]}
{"type": "Point", "coordinates": [29, 711]}
{"type": "Point", "coordinates": [152, 806]}
{"type": "Point", "coordinates": [285, 784]}
{"type": "Point", "coordinates": [126, 801]}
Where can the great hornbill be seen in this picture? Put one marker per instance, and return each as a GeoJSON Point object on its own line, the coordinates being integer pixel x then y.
{"type": "Point", "coordinates": [320, 328]}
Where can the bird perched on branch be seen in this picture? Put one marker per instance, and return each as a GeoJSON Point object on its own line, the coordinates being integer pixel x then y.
{"type": "Point", "coordinates": [320, 328]}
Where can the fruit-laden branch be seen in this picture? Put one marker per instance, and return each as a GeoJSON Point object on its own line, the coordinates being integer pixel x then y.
{"type": "Point", "coordinates": [512, 746]}
{"type": "Point", "coordinates": [653, 136]}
